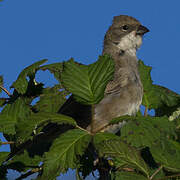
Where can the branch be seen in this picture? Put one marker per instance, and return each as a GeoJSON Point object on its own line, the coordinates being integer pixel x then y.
{"type": "Point", "coordinates": [9, 142]}
{"type": "Point", "coordinates": [6, 91]}
{"type": "Point", "coordinates": [145, 111]}
{"type": "Point", "coordinates": [29, 173]}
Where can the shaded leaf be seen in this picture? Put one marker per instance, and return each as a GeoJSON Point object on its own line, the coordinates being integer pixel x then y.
{"type": "Point", "coordinates": [123, 155]}
{"type": "Point", "coordinates": [145, 131]}
{"type": "Point", "coordinates": [3, 172]}
{"type": "Point", "coordinates": [87, 162]}
{"type": "Point", "coordinates": [87, 83]}
{"type": "Point", "coordinates": [51, 100]}
{"type": "Point", "coordinates": [155, 96]}
{"type": "Point", "coordinates": [128, 176]}
{"type": "Point", "coordinates": [167, 153]}
{"type": "Point", "coordinates": [64, 153]}
{"type": "Point", "coordinates": [41, 119]}
{"type": "Point", "coordinates": [24, 161]}
{"type": "Point", "coordinates": [21, 83]}
{"type": "Point", "coordinates": [2, 102]}
{"type": "Point", "coordinates": [3, 156]}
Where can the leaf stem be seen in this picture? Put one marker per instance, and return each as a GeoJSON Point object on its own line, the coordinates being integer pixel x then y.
{"type": "Point", "coordinates": [82, 129]}
{"type": "Point", "coordinates": [156, 172]}
{"type": "Point", "coordinates": [5, 90]}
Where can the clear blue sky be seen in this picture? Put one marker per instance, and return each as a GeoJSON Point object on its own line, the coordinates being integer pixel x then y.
{"type": "Point", "coordinates": [31, 30]}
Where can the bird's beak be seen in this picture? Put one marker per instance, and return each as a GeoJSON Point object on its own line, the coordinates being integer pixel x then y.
{"type": "Point", "coordinates": [142, 30]}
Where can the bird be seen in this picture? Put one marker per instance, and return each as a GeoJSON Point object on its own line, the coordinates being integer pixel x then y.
{"type": "Point", "coordinates": [123, 94]}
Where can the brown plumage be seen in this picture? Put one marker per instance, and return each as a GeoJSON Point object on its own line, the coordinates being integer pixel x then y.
{"type": "Point", "coordinates": [123, 95]}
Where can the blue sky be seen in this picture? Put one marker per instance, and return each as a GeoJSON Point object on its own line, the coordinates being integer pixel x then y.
{"type": "Point", "coordinates": [57, 30]}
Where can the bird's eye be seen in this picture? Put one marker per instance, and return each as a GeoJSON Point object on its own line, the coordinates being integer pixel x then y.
{"type": "Point", "coordinates": [125, 27]}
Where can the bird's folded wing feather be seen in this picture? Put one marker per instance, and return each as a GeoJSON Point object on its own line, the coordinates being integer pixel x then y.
{"type": "Point", "coordinates": [121, 79]}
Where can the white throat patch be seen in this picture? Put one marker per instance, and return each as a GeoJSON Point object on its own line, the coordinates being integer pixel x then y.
{"type": "Point", "coordinates": [130, 43]}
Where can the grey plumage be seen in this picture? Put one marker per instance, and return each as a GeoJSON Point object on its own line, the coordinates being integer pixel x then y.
{"type": "Point", "coordinates": [123, 95]}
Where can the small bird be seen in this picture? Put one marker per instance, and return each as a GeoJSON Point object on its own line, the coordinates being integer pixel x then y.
{"type": "Point", "coordinates": [123, 95]}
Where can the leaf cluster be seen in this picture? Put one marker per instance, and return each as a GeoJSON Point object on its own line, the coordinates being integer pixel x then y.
{"type": "Point", "coordinates": [48, 143]}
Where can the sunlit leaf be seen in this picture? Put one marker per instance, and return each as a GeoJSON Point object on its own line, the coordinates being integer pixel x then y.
{"type": "Point", "coordinates": [64, 153]}
{"type": "Point", "coordinates": [55, 68]}
{"type": "Point", "coordinates": [87, 83]}
{"type": "Point", "coordinates": [11, 114]}
{"type": "Point", "coordinates": [21, 83]}
{"type": "Point", "coordinates": [123, 155]}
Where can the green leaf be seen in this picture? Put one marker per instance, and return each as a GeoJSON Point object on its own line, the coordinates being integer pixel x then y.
{"type": "Point", "coordinates": [51, 100]}
{"type": "Point", "coordinates": [87, 83]}
{"type": "Point", "coordinates": [55, 68]}
{"type": "Point", "coordinates": [64, 153]}
{"type": "Point", "coordinates": [157, 174]}
{"type": "Point", "coordinates": [11, 114]}
{"type": "Point", "coordinates": [37, 120]}
{"type": "Point", "coordinates": [145, 131]}
{"type": "Point", "coordinates": [2, 102]}
{"type": "Point", "coordinates": [3, 156]}
{"type": "Point", "coordinates": [145, 74]}
{"type": "Point", "coordinates": [123, 155]}
{"type": "Point", "coordinates": [128, 176]}
{"type": "Point", "coordinates": [24, 161]}
{"type": "Point", "coordinates": [155, 96]}
{"type": "Point", "coordinates": [103, 136]}
{"type": "Point", "coordinates": [167, 154]}
{"type": "Point", "coordinates": [169, 101]}
{"type": "Point", "coordinates": [21, 84]}
{"type": "Point", "coordinates": [121, 119]}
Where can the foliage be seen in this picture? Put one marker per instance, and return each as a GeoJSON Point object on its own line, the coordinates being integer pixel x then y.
{"type": "Point", "coordinates": [87, 83]}
{"type": "Point", "coordinates": [44, 141]}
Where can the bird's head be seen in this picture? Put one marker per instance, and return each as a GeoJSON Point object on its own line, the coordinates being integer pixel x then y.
{"type": "Point", "coordinates": [125, 33]}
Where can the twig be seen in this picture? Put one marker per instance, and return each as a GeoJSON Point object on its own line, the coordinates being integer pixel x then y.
{"type": "Point", "coordinates": [145, 111]}
{"type": "Point", "coordinates": [156, 172]}
{"type": "Point", "coordinates": [4, 143]}
{"type": "Point", "coordinates": [6, 91]}
{"type": "Point", "coordinates": [29, 173]}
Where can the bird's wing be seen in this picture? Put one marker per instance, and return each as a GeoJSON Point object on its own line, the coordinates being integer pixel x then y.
{"type": "Point", "coordinates": [121, 79]}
